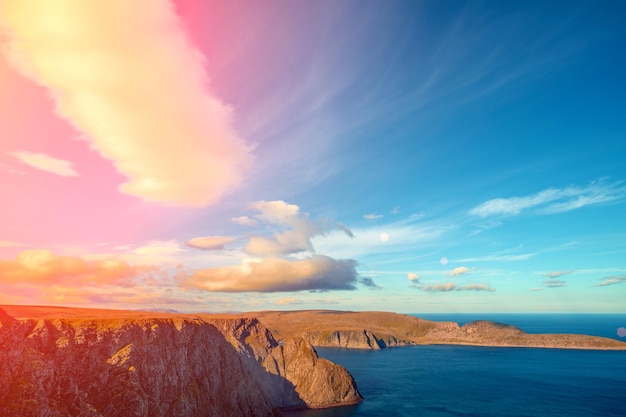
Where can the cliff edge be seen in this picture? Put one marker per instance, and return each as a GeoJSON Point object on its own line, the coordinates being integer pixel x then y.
{"type": "Point", "coordinates": [130, 364]}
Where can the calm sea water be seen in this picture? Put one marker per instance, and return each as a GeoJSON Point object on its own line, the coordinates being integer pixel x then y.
{"type": "Point", "coordinates": [437, 381]}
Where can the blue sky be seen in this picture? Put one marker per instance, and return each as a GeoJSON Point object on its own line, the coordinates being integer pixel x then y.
{"type": "Point", "coordinates": [419, 156]}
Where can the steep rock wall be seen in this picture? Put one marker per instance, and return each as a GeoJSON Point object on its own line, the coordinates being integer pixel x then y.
{"type": "Point", "coordinates": [151, 367]}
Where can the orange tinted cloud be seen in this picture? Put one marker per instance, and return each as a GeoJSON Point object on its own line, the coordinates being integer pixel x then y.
{"type": "Point", "coordinates": [273, 274]}
{"type": "Point", "coordinates": [210, 242]}
{"type": "Point", "coordinates": [45, 267]}
{"type": "Point", "coordinates": [458, 271]}
{"type": "Point", "coordinates": [125, 74]}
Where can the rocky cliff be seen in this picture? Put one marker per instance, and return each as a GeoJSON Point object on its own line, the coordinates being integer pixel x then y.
{"type": "Point", "coordinates": [290, 372]}
{"type": "Point", "coordinates": [138, 365]}
{"type": "Point", "coordinates": [378, 330]}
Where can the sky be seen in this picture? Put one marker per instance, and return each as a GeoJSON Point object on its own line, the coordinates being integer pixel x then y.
{"type": "Point", "coordinates": [408, 156]}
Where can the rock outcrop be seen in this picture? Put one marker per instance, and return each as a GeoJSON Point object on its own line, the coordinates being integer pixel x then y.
{"type": "Point", "coordinates": [291, 373]}
{"type": "Point", "coordinates": [379, 330]}
{"type": "Point", "coordinates": [166, 365]}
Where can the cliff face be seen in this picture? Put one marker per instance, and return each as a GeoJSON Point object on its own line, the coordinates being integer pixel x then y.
{"type": "Point", "coordinates": [158, 367]}
{"type": "Point", "coordinates": [354, 339]}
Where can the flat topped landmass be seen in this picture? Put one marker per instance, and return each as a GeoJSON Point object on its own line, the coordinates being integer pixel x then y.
{"type": "Point", "coordinates": [379, 330]}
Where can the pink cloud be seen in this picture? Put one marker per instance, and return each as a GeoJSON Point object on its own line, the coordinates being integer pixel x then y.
{"type": "Point", "coordinates": [125, 74]}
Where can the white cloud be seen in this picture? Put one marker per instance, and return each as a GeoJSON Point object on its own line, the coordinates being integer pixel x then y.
{"type": "Point", "coordinates": [126, 75]}
{"type": "Point", "coordinates": [245, 221]}
{"type": "Point", "coordinates": [274, 274]}
{"type": "Point", "coordinates": [372, 216]}
{"type": "Point", "coordinates": [552, 200]}
{"type": "Point", "coordinates": [413, 277]}
{"type": "Point", "coordinates": [295, 230]}
{"type": "Point", "coordinates": [210, 242]}
{"type": "Point", "coordinates": [46, 163]}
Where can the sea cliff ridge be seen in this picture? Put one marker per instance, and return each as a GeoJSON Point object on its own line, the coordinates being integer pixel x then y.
{"type": "Point", "coordinates": [82, 362]}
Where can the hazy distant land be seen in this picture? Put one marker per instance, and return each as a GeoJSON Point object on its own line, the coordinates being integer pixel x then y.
{"type": "Point", "coordinates": [66, 361]}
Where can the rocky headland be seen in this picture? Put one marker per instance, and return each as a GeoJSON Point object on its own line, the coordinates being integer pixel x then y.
{"type": "Point", "coordinates": [380, 330]}
{"type": "Point", "coordinates": [80, 362]}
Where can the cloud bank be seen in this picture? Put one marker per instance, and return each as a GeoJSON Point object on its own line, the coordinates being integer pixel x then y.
{"type": "Point", "coordinates": [274, 274]}
{"type": "Point", "coordinates": [125, 74]}
{"type": "Point", "coordinates": [45, 267]}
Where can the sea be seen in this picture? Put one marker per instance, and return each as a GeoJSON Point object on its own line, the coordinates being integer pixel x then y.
{"type": "Point", "coordinates": [476, 381]}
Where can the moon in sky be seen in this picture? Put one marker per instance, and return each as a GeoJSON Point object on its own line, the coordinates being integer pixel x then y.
{"type": "Point", "coordinates": [384, 237]}
{"type": "Point", "coordinates": [443, 261]}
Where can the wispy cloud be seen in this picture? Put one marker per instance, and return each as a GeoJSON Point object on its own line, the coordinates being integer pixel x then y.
{"type": "Point", "coordinates": [288, 301]}
{"type": "Point", "coordinates": [618, 279]}
{"type": "Point", "coordinates": [552, 200]}
{"type": "Point", "coordinates": [159, 248]}
{"type": "Point", "coordinates": [452, 286]}
{"type": "Point", "coordinates": [10, 244]}
{"type": "Point", "coordinates": [46, 163]}
{"type": "Point", "coordinates": [372, 216]}
{"type": "Point", "coordinates": [555, 283]}
{"type": "Point", "coordinates": [556, 274]}
{"type": "Point", "coordinates": [503, 258]}
{"type": "Point", "coordinates": [126, 75]}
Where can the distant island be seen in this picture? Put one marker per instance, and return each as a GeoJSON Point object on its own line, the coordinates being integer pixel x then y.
{"type": "Point", "coordinates": [60, 361]}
